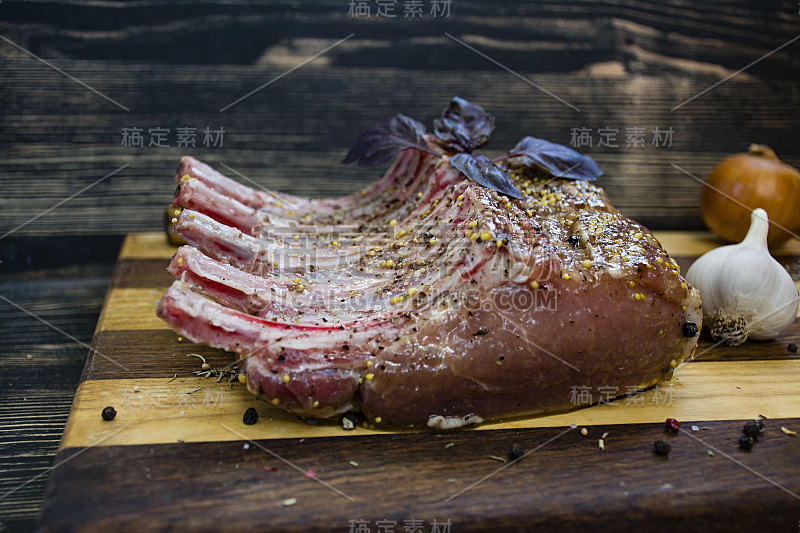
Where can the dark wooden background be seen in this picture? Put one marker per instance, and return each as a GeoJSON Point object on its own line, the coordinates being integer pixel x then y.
{"type": "Point", "coordinates": [177, 64]}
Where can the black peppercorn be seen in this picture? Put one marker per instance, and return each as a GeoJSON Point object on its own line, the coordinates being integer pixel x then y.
{"type": "Point", "coordinates": [250, 416]}
{"type": "Point", "coordinates": [792, 347]}
{"type": "Point", "coordinates": [663, 447]}
{"type": "Point", "coordinates": [574, 240]}
{"type": "Point", "coordinates": [517, 452]}
{"type": "Point", "coordinates": [760, 422]}
{"type": "Point", "coordinates": [689, 329]}
{"type": "Point", "coordinates": [109, 413]}
{"type": "Point", "coordinates": [752, 429]}
{"type": "Point", "coordinates": [746, 442]}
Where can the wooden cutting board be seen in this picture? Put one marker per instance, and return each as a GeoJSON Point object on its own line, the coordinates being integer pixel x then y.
{"type": "Point", "coordinates": [178, 456]}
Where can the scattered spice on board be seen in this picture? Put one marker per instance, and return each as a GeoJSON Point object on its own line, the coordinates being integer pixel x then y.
{"type": "Point", "coordinates": [109, 413]}
{"type": "Point", "coordinates": [516, 452]}
{"type": "Point", "coordinates": [746, 442]}
{"type": "Point", "coordinates": [289, 501]}
{"type": "Point", "coordinates": [584, 431]}
{"type": "Point", "coordinates": [268, 468]}
{"type": "Point", "coordinates": [498, 458]}
{"type": "Point", "coordinates": [710, 453]}
{"type": "Point", "coordinates": [250, 416]}
{"type": "Point", "coordinates": [203, 359]}
{"type": "Point", "coordinates": [310, 474]}
{"type": "Point", "coordinates": [231, 372]}
{"type": "Point", "coordinates": [752, 429]}
{"type": "Point", "coordinates": [353, 463]}
{"type": "Point", "coordinates": [481, 331]}
{"type": "Point", "coordinates": [349, 421]}
{"type": "Point", "coordinates": [449, 445]}
{"type": "Point", "coordinates": [601, 444]}
{"type": "Point", "coordinates": [792, 347]}
{"type": "Point", "coordinates": [672, 426]}
{"type": "Point", "coordinates": [663, 447]}
{"type": "Point", "coordinates": [789, 432]}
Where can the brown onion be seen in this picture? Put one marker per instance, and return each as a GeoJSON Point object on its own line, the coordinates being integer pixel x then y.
{"type": "Point", "coordinates": [754, 179]}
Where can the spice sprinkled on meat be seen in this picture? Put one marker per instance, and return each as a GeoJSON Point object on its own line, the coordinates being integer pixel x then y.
{"type": "Point", "coordinates": [428, 298]}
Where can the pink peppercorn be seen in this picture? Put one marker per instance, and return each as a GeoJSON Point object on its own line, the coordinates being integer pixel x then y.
{"type": "Point", "coordinates": [672, 425]}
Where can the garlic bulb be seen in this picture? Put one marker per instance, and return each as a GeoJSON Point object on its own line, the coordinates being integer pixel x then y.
{"type": "Point", "coordinates": [745, 292]}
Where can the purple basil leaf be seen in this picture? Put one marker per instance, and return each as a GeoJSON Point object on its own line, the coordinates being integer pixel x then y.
{"type": "Point", "coordinates": [482, 171]}
{"type": "Point", "coordinates": [463, 126]}
{"type": "Point", "coordinates": [558, 160]}
{"type": "Point", "coordinates": [377, 145]}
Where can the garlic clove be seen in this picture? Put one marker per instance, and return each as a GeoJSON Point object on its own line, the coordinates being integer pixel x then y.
{"type": "Point", "coordinates": [759, 228]}
{"type": "Point", "coordinates": [745, 292]}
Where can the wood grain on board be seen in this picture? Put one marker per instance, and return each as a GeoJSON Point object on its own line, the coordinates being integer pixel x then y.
{"type": "Point", "coordinates": [620, 66]}
{"type": "Point", "coordinates": [565, 483]}
{"type": "Point", "coordinates": [178, 438]}
{"type": "Point", "coordinates": [39, 372]}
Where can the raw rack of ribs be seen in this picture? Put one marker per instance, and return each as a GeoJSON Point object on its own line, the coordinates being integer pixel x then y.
{"type": "Point", "coordinates": [426, 299]}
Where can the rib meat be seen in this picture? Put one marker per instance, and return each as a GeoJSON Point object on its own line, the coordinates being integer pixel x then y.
{"type": "Point", "coordinates": [426, 299]}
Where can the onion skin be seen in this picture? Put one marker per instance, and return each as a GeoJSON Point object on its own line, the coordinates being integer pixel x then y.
{"type": "Point", "coordinates": [756, 179]}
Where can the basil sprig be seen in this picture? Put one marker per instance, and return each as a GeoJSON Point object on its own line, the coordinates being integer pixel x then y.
{"type": "Point", "coordinates": [463, 128]}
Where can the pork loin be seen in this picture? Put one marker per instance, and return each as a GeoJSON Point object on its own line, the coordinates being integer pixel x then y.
{"type": "Point", "coordinates": [427, 299]}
